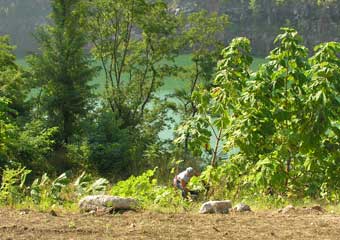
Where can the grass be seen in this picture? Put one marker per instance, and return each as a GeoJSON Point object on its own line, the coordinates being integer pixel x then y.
{"type": "Point", "coordinates": [257, 204]}
{"type": "Point", "coordinates": [273, 203]}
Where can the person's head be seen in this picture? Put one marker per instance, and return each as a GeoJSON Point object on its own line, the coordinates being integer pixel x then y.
{"type": "Point", "coordinates": [190, 171]}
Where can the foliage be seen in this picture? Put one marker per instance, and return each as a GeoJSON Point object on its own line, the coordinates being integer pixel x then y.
{"type": "Point", "coordinates": [12, 78]}
{"type": "Point", "coordinates": [21, 141]}
{"type": "Point", "coordinates": [159, 154]}
{"type": "Point", "coordinates": [277, 128]}
{"type": "Point", "coordinates": [62, 71]}
{"type": "Point", "coordinates": [205, 49]}
{"type": "Point", "coordinates": [7, 132]}
{"type": "Point", "coordinates": [131, 40]}
{"type": "Point", "coordinates": [33, 145]}
{"type": "Point", "coordinates": [27, 145]}
{"type": "Point", "coordinates": [112, 149]}
{"type": "Point", "coordinates": [220, 182]}
{"type": "Point", "coordinates": [145, 189]}
{"type": "Point", "coordinates": [62, 190]}
{"type": "Point", "coordinates": [12, 186]}
{"type": "Point", "coordinates": [282, 120]}
{"type": "Point", "coordinates": [78, 154]}
{"type": "Point", "coordinates": [48, 191]}
{"type": "Point", "coordinates": [214, 107]}
{"type": "Point", "coordinates": [45, 192]}
{"type": "Point", "coordinates": [135, 42]}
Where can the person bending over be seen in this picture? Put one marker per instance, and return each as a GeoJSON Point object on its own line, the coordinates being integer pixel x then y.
{"type": "Point", "coordinates": [181, 180]}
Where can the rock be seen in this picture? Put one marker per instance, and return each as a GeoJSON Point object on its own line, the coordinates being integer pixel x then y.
{"type": "Point", "coordinates": [106, 203]}
{"type": "Point", "coordinates": [287, 209]}
{"type": "Point", "coordinates": [241, 207]}
{"type": "Point", "coordinates": [92, 212]}
{"type": "Point", "coordinates": [133, 225]}
{"type": "Point", "coordinates": [317, 208]}
{"type": "Point", "coordinates": [53, 213]}
{"type": "Point", "coordinates": [216, 207]}
{"type": "Point", "coordinates": [24, 211]}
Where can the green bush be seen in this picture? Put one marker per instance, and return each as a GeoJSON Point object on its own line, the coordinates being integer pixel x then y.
{"type": "Point", "coordinates": [146, 190]}
{"type": "Point", "coordinates": [62, 190]}
{"type": "Point", "coordinates": [12, 190]}
{"type": "Point", "coordinates": [46, 193]}
{"type": "Point", "coordinates": [85, 185]}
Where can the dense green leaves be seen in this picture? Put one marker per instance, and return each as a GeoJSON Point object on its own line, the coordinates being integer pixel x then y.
{"type": "Point", "coordinates": [205, 47]}
{"type": "Point", "coordinates": [283, 118]}
{"type": "Point", "coordinates": [215, 107]}
{"type": "Point", "coordinates": [146, 190]}
{"type": "Point", "coordinates": [131, 40]}
{"type": "Point", "coordinates": [13, 185]}
{"type": "Point", "coordinates": [62, 71]}
{"type": "Point", "coordinates": [21, 142]}
{"type": "Point", "coordinates": [12, 78]}
{"type": "Point", "coordinates": [277, 128]}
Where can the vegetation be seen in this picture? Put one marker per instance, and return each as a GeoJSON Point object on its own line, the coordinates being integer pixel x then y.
{"type": "Point", "coordinates": [267, 133]}
{"type": "Point", "coordinates": [44, 192]}
{"type": "Point", "coordinates": [62, 71]}
{"type": "Point", "coordinates": [205, 48]}
{"type": "Point", "coordinates": [22, 141]}
{"type": "Point", "coordinates": [283, 119]}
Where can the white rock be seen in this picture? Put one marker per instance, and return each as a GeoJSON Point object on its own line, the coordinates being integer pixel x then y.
{"type": "Point", "coordinates": [216, 207]}
{"type": "Point", "coordinates": [102, 202]}
{"type": "Point", "coordinates": [287, 209]}
{"type": "Point", "coordinates": [241, 207]}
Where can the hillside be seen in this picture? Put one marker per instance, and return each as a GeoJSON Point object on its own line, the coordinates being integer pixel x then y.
{"type": "Point", "coordinates": [19, 18]}
{"type": "Point", "coordinates": [259, 20]}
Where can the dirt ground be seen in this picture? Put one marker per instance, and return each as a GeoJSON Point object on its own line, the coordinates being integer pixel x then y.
{"type": "Point", "coordinates": [24, 224]}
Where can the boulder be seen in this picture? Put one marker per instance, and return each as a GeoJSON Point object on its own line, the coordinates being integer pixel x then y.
{"type": "Point", "coordinates": [106, 203]}
{"type": "Point", "coordinates": [241, 207]}
{"type": "Point", "coordinates": [216, 207]}
{"type": "Point", "coordinates": [288, 209]}
{"type": "Point", "coordinates": [317, 208]}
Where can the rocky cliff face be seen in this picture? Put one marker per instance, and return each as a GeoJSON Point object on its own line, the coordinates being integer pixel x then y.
{"type": "Point", "coordinates": [19, 18]}
{"type": "Point", "coordinates": [260, 20]}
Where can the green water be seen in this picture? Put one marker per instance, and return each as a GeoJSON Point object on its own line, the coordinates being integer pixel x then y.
{"type": "Point", "coordinates": [170, 84]}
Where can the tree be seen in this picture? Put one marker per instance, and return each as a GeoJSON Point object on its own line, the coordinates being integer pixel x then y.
{"type": "Point", "coordinates": [287, 121]}
{"type": "Point", "coordinates": [63, 70]}
{"type": "Point", "coordinates": [135, 41]}
{"type": "Point", "coordinates": [13, 84]}
{"type": "Point", "coordinates": [322, 124]}
{"type": "Point", "coordinates": [26, 145]}
{"type": "Point", "coordinates": [23, 141]}
{"type": "Point", "coordinates": [283, 119]}
{"type": "Point", "coordinates": [7, 132]}
{"type": "Point", "coordinates": [204, 47]}
{"type": "Point", "coordinates": [215, 106]}
{"type": "Point", "coordinates": [131, 40]}
{"type": "Point", "coordinates": [273, 104]}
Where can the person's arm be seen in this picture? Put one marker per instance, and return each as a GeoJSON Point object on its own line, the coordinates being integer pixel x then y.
{"type": "Point", "coordinates": [184, 185]}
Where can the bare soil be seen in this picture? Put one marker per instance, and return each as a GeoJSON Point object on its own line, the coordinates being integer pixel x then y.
{"type": "Point", "coordinates": [24, 224]}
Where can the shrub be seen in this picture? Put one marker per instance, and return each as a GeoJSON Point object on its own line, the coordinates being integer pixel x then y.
{"type": "Point", "coordinates": [12, 188]}
{"type": "Point", "coordinates": [146, 190]}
